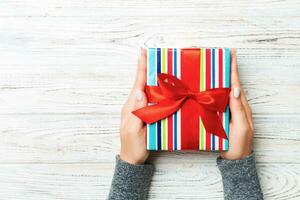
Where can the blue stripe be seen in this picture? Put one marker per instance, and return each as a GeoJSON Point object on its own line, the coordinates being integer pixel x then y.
{"type": "Point", "coordinates": [152, 81]}
{"type": "Point", "coordinates": [158, 55]}
{"type": "Point", "coordinates": [213, 68]}
{"type": "Point", "coordinates": [227, 67]}
{"type": "Point", "coordinates": [213, 86]}
{"type": "Point", "coordinates": [175, 62]}
{"type": "Point", "coordinates": [175, 114]}
{"type": "Point", "coordinates": [227, 84]}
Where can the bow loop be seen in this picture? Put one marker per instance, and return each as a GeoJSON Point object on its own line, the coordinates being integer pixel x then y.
{"type": "Point", "coordinates": [214, 99]}
{"type": "Point", "coordinates": [171, 87]}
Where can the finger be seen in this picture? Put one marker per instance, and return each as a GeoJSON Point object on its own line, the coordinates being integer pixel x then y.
{"type": "Point", "coordinates": [141, 74]}
{"type": "Point", "coordinates": [247, 108]}
{"type": "Point", "coordinates": [235, 79]}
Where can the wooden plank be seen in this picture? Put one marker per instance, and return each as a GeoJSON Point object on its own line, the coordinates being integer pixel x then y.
{"type": "Point", "coordinates": [95, 138]}
{"type": "Point", "coordinates": [170, 181]}
{"type": "Point", "coordinates": [78, 8]}
{"type": "Point", "coordinates": [104, 92]}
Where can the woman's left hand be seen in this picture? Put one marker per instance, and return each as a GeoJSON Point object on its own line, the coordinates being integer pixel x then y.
{"type": "Point", "coordinates": [241, 124]}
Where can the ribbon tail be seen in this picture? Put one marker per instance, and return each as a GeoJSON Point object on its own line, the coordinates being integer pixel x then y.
{"type": "Point", "coordinates": [212, 122]}
{"type": "Point", "coordinates": [161, 110]}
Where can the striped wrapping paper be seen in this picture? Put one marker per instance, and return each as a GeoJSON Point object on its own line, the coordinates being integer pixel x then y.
{"type": "Point", "coordinates": [199, 69]}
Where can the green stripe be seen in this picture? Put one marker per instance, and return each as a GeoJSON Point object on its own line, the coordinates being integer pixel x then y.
{"type": "Point", "coordinates": [202, 88]}
{"type": "Point", "coordinates": [164, 121]}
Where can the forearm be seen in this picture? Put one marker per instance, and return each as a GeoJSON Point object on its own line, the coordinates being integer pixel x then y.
{"type": "Point", "coordinates": [240, 180]}
{"type": "Point", "coordinates": [130, 181]}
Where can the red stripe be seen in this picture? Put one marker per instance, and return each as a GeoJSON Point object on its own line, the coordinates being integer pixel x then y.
{"type": "Point", "coordinates": [190, 75]}
{"type": "Point", "coordinates": [170, 119]}
{"type": "Point", "coordinates": [208, 83]}
{"type": "Point", "coordinates": [221, 85]}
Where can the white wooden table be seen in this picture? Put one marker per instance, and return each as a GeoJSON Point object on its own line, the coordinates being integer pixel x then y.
{"type": "Point", "coordinates": [66, 67]}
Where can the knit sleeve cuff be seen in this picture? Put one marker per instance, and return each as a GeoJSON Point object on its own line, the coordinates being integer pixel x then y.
{"type": "Point", "coordinates": [225, 164]}
{"type": "Point", "coordinates": [240, 180]}
{"type": "Point", "coordinates": [131, 181]}
{"type": "Point", "coordinates": [142, 170]}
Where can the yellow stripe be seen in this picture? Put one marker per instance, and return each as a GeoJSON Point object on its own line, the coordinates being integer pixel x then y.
{"type": "Point", "coordinates": [202, 88]}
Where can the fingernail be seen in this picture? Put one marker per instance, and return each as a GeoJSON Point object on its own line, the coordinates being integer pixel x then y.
{"type": "Point", "coordinates": [138, 95]}
{"type": "Point", "coordinates": [236, 92]}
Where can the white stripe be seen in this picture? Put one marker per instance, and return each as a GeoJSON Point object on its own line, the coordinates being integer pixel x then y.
{"type": "Point", "coordinates": [178, 63]}
{"type": "Point", "coordinates": [147, 130]}
{"type": "Point", "coordinates": [211, 139]}
{"type": "Point", "coordinates": [217, 68]}
{"type": "Point", "coordinates": [179, 129]}
{"type": "Point", "coordinates": [148, 64]}
{"type": "Point", "coordinates": [223, 67]}
{"type": "Point", "coordinates": [204, 56]}
{"type": "Point", "coordinates": [147, 133]}
{"type": "Point", "coordinates": [173, 132]}
{"type": "Point", "coordinates": [216, 86]}
{"type": "Point", "coordinates": [179, 111]}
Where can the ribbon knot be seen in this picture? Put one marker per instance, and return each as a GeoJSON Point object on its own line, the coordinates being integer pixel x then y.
{"type": "Point", "coordinates": [171, 94]}
{"type": "Point", "coordinates": [191, 94]}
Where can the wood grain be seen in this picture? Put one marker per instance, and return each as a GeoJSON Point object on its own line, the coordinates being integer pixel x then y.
{"type": "Point", "coordinates": [66, 68]}
{"type": "Point", "coordinates": [90, 181]}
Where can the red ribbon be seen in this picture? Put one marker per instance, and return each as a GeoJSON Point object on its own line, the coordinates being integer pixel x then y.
{"type": "Point", "coordinates": [170, 95]}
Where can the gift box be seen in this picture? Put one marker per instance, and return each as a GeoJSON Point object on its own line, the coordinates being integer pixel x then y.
{"type": "Point", "coordinates": [199, 72]}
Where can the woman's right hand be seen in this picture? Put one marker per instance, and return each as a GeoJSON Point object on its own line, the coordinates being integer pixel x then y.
{"type": "Point", "coordinates": [241, 126]}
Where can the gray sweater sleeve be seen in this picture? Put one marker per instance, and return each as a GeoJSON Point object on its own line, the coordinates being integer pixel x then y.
{"type": "Point", "coordinates": [130, 181]}
{"type": "Point", "coordinates": [240, 180]}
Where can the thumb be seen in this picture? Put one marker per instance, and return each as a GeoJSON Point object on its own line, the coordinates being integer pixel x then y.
{"type": "Point", "coordinates": [236, 106]}
{"type": "Point", "coordinates": [139, 102]}
{"type": "Point", "coordinates": [140, 99]}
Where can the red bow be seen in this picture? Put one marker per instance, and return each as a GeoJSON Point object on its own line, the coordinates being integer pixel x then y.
{"type": "Point", "coordinates": [170, 96]}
